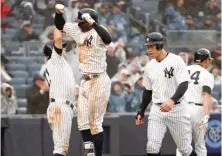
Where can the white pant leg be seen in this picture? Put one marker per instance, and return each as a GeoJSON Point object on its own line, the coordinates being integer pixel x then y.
{"type": "Point", "coordinates": [178, 123]}
{"type": "Point", "coordinates": [82, 106]}
{"type": "Point", "coordinates": [60, 121]}
{"type": "Point", "coordinates": [98, 99]}
{"type": "Point", "coordinates": [197, 113]}
{"type": "Point", "coordinates": [156, 130]}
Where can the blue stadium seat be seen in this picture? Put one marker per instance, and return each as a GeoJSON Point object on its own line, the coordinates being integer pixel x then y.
{"type": "Point", "coordinates": [18, 81]}
{"type": "Point", "coordinates": [25, 60]}
{"type": "Point", "coordinates": [12, 46]}
{"type": "Point", "coordinates": [217, 88]}
{"type": "Point", "coordinates": [30, 81]}
{"type": "Point", "coordinates": [21, 90]}
{"type": "Point", "coordinates": [33, 67]}
{"type": "Point", "coordinates": [22, 102]}
{"type": "Point", "coordinates": [11, 31]}
{"type": "Point", "coordinates": [15, 67]}
{"type": "Point", "coordinates": [19, 74]}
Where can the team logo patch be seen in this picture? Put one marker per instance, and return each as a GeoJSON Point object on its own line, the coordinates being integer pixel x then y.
{"type": "Point", "coordinates": [88, 41]}
{"type": "Point", "coordinates": [169, 72]}
{"type": "Point", "coordinates": [213, 138]}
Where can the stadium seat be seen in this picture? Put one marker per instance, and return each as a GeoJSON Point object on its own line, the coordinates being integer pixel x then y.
{"type": "Point", "coordinates": [25, 60]}
{"type": "Point", "coordinates": [21, 90]}
{"type": "Point", "coordinates": [19, 74]}
{"type": "Point", "coordinates": [22, 102]}
{"type": "Point", "coordinates": [15, 67]}
{"type": "Point", "coordinates": [11, 31]}
{"type": "Point", "coordinates": [34, 45]}
{"type": "Point", "coordinates": [12, 46]}
{"type": "Point", "coordinates": [21, 110]}
{"type": "Point", "coordinates": [18, 81]}
{"type": "Point", "coordinates": [217, 88]}
{"type": "Point", "coordinates": [30, 81]}
{"type": "Point", "coordinates": [33, 67]}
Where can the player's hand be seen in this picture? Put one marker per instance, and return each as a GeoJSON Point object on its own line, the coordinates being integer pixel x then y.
{"type": "Point", "coordinates": [167, 106]}
{"type": "Point", "coordinates": [59, 8]}
{"type": "Point", "coordinates": [139, 118]}
{"type": "Point", "coordinates": [88, 18]}
{"type": "Point", "coordinates": [204, 121]}
{"type": "Point", "coordinates": [44, 87]}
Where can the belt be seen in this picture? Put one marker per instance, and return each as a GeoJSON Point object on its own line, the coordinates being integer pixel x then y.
{"type": "Point", "coordinates": [198, 104]}
{"type": "Point", "coordinates": [88, 77]}
{"type": "Point", "coordinates": [66, 102]}
{"type": "Point", "coordinates": [163, 102]}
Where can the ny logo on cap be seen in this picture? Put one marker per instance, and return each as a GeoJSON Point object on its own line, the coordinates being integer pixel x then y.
{"type": "Point", "coordinates": [147, 39]}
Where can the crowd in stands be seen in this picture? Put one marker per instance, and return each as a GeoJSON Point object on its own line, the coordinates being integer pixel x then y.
{"type": "Point", "coordinates": [126, 55]}
{"type": "Point", "coordinates": [191, 15]}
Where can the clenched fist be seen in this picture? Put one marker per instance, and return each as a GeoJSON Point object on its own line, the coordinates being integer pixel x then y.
{"type": "Point", "coordinates": [59, 8]}
{"type": "Point", "coordinates": [88, 18]}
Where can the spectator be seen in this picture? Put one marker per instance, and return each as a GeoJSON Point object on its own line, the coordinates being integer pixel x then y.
{"type": "Point", "coordinates": [212, 8]}
{"type": "Point", "coordinates": [116, 101]}
{"type": "Point", "coordinates": [120, 52]}
{"type": "Point", "coordinates": [71, 12]}
{"type": "Point", "coordinates": [119, 21]}
{"type": "Point", "coordinates": [190, 23]}
{"type": "Point", "coordinates": [217, 77]}
{"type": "Point", "coordinates": [144, 59]}
{"type": "Point", "coordinates": [8, 99]}
{"type": "Point", "coordinates": [112, 60]}
{"type": "Point", "coordinates": [26, 11]}
{"type": "Point", "coordinates": [38, 96]}
{"type": "Point", "coordinates": [81, 4]}
{"type": "Point", "coordinates": [134, 98]}
{"type": "Point", "coordinates": [48, 13]}
{"type": "Point", "coordinates": [175, 21]}
{"type": "Point", "coordinates": [47, 34]}
{"type": "Point", "coordinates": [214, 106]}
{"type": "Point", "coordinates": [103, 15]}
{"type": "Point", "coordinates": [4, 13]}
{"type": "Point", "coordinates": [5, 77]}
{"type": "Point", "coordinates": [208, 23]}
{"type": "Point", "coordinates": [124, 77]}
{"type": "Point", "coordinates": [134, 72]}
{"type": "Point", "coordinates": [26, 33]}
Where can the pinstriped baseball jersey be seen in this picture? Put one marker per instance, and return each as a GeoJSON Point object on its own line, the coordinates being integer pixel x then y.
{"type": "Point", "coordinates": [91, 49]}
{"type": "Point", "coordinates": [164, 77]}
{"type": "Point", "coordinates": [199, 77]}
{"type": "Point", "coordinates": [60, 78]}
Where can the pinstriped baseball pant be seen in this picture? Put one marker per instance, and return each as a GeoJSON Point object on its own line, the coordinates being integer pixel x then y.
{"type": "Point", "coordinates": [92, 103]}
{"type": "Point", "coordinates": [60, 121]}
{"type": "Point", "coordinates": [178, 123]}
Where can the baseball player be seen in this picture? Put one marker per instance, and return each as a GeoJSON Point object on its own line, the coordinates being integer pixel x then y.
{"type": "Point", "coordinates": [165, 80]}
{"type": "Point", "coordinates": [91, 39]}
{"type": "Point", "coordinates": [61, 83]}
{"type": "Point", "coordinates": [198, 96]}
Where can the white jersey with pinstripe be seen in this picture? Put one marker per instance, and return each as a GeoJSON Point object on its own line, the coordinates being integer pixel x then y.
{"type": "Point", "coordinates": [61, 88]}
{"type": "Point", "coordinates": [199, 77]}
{"type": "Point", "coordinates": [94, 93]}
{"type": "Point", "coordinates": [194, 96]}
{"type": "Point", "coordinates": [163, 78]}
{"type": "Point", "coordinates": [90, 47]}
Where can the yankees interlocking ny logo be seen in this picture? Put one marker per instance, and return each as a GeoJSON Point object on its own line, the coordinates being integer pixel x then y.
{"type": "Point", "coordinates": [88, 41]}
{"type": "Point", "coordinates": [169, 73]}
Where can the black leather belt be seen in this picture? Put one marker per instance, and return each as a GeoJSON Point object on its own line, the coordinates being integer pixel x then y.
{"type": "Point", "coordinates": [66, 102]}
{"type": "Point", "coordinates": [198, 104]}
{"type": "Point", "coordinates": [88, 77]}
{"type": "Point", "coordinates": [163, 102]}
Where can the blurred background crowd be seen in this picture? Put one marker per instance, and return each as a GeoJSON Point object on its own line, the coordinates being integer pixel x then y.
{"type": "Point", "coordinates": [26, 25]}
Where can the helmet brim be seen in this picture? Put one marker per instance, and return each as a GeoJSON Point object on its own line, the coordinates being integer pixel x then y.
{"type": "Point", "coordinates": [153, 43]}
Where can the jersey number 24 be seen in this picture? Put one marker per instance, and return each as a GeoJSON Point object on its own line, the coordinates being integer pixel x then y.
{"type": "Point", "coordinates": [195, 76]}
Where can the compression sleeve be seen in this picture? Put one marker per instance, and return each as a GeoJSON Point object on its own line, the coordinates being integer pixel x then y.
{"type": "Point", "coordinates": [181, 89]}
{"type": "Point", "coordinates": [103, 33]}
{"type": "Point", "coordinates": [58, 51]}
{"type": "Point", "coordinates": [59, 21]}
{"type": "Point", "coordinates": [147, 97]}
{"type": "Point", "coordinates": [207, 89]}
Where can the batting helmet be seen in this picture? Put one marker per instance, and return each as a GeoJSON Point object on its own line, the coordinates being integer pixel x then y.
{"type": "Point", "coordinates": [155, 38]}
{"type": "Point", "coordinates": [47, 49]}
{"type": "Point", "coordinates": [201, 55]}
{"type": "Point", "coordinates": [90, 11]}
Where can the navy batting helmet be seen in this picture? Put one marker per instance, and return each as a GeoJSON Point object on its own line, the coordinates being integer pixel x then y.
{"type": "Point", "coordinates": [90, 11]}
{"type": "Point", "coordinates": [155, 38]}
{"type": "Point", "coordinates": [201, 55]}
{"type": "Point", "coordinates": [47, 49]}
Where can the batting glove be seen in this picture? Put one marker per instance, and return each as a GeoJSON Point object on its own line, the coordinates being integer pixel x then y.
{"type": "Point", "coordinates": [204, 121]}
{"type": "Point", "coordinates": [88, 18]}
